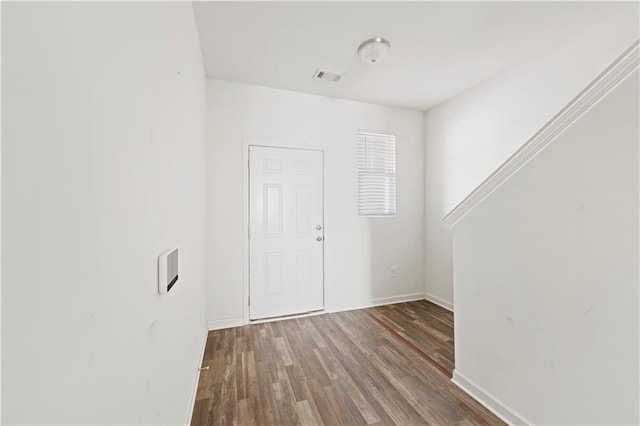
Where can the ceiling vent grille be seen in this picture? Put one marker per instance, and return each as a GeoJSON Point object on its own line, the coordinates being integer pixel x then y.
{"type": "Point", "coordinates": [327, 75]}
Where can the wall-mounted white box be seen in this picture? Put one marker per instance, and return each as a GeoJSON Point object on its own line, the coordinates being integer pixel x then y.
{"type": "Point", "coordinates": [167, 270]}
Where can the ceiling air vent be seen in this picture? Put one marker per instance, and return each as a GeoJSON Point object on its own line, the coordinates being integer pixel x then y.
{"type": "Point", "coordinates": [327, 75]}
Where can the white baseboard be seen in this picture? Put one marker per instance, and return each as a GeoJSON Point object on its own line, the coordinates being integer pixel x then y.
{"type": "Point", "coordinates": [195, 388]}
{"type": "Point", "coordinates": [491, 403]}
{"type": "Point", "coordinates": [225, 323]}
{"type": "Point", "coordinates": [380, 301]}
{"type": "Point", "coordinates": [438, 301]}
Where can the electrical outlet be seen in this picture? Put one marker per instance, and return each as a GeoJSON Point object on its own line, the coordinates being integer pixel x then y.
{"type": "Point", "coordinates": [394, 271]}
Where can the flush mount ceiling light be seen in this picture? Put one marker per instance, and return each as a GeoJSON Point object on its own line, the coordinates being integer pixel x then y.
{"type": "Point", "coordinates": [374, 50]}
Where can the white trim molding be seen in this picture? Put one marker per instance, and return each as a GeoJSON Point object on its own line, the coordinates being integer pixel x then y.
{"type": "Point", "coordinates": [486, 399]}
{"type": "Point", "coordinates": [288, 317]}
{"type": "Point", "coordinates": [380, 301]}
{"type": "Point", "coordinates": [439, 301]}
{"type": "Point", "coordinates": [226, 323]}
{"type": "Point", "coordinates": [621, 68]}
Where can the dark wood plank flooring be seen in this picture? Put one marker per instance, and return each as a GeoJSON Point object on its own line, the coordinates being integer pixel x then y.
{"type": "Point", "coordinates": [385, 365]}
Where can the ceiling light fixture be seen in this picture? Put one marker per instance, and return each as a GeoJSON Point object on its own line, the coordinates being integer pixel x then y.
{"type": "Point", "coordinates": [374, 50]}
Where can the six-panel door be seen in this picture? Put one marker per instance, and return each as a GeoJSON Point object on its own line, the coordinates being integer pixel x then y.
{"type": "Point", "coordinates": [285, 232]}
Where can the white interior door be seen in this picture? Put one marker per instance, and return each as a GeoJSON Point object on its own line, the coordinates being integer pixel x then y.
{"type": "Point", "coordinates": [286, 232]}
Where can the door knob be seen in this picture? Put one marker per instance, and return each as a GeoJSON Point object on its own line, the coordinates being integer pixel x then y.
{"type": "Point", "coordinates": [319, 239]}
{"type": "Point", "coordinates": [318, 227]}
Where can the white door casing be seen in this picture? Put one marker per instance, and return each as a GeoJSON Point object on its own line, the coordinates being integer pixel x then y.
{"type": "Point", "coordinates": [286, 231]}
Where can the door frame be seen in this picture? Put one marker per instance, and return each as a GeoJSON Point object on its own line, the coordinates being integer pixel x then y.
{"type": "Point", "coordinates": [245, 225]}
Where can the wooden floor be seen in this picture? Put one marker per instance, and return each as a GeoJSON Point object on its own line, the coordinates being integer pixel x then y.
{"type": "Point", "coordinates": [384, 365]}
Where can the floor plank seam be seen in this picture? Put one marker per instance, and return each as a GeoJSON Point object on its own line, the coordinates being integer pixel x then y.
{"type": "Point", "coordinates": [412, 346]}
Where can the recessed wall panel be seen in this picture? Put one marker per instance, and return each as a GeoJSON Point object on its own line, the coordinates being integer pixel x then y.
{"type": "Point", "coordinates": [303, 208]}
{"type": "Point", "coordinates": [272, 166]}
{"type": "Point", "coordinates": [272, 210]}
{"type": "Point", "coordinates": [303, 167]}
{"type": "Point", "coordinates": [273, 272]}
{"type": "Point", "coordinates": [303, 263]}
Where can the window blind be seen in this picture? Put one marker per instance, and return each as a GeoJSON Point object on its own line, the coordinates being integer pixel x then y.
{"type": "Point", "coordinates": [376, 174]}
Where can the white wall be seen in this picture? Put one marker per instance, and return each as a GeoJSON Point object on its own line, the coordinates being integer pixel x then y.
{"type": "Point", "coordinates": [102, 170]}
{"type": "Point", "coordinates": [0, 223]}
{"type": "Point", "coordinates": [469, 136]}
{"type": "Point", "coordinates": [546, 276]}
{"type": "Point", "coordinates": [358, 251]}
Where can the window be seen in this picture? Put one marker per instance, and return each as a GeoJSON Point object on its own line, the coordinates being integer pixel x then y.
{"type": "Point", "coordinates": [376, 174]}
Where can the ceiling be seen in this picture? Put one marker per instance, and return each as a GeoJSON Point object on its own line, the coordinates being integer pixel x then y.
{"type": "Point", "coordinates": [438, 49]}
